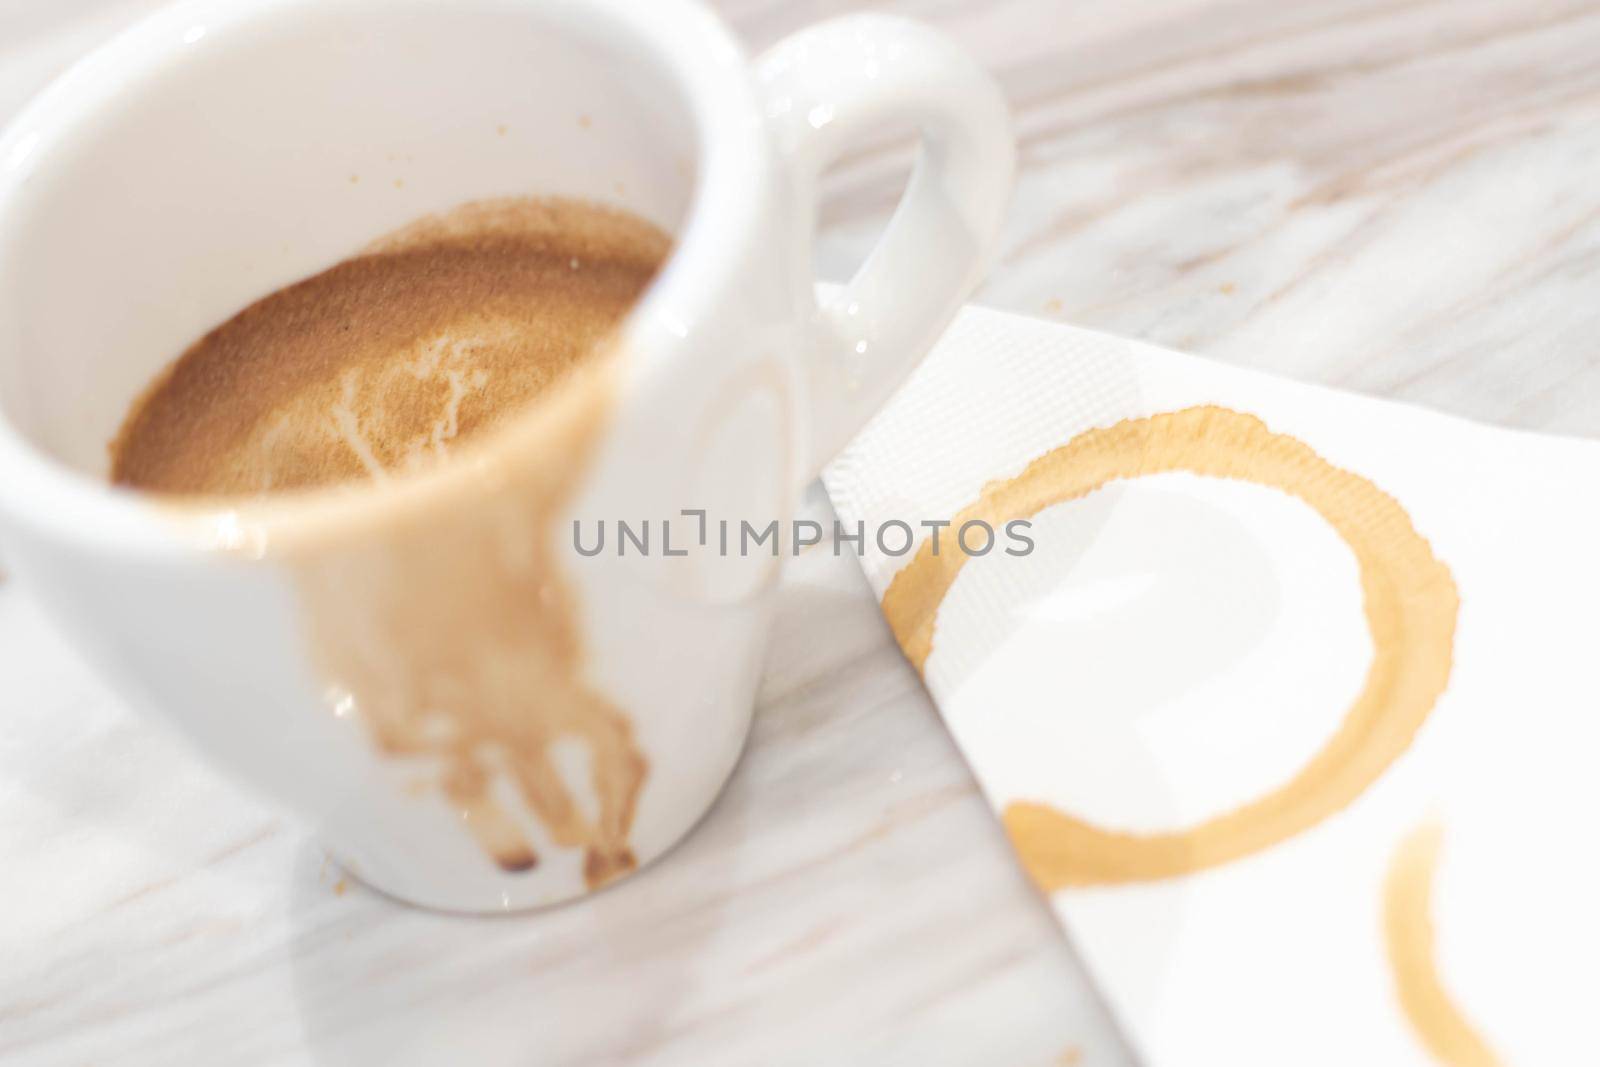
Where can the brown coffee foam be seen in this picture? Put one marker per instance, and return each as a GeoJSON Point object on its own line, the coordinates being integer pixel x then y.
{"type": "Point", "coordinates": [437, 609]}
{"type": "Point", "coordinates": [379, 365]}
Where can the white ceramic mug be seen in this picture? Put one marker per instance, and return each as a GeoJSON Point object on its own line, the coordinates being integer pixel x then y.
{"type": "Point", "coordinates": [384, 660]}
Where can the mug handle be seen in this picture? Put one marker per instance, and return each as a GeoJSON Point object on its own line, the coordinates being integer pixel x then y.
{"type": "Point", "coordinates": [822, 87]}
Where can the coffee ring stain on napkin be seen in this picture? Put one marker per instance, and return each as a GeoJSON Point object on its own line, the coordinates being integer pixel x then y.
{"type": "Point", "coordinates": [1408, 937]}
{"type": "Point", "coordinates": [1409, 599]}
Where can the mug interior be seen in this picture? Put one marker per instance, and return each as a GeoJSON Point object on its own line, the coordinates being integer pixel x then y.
{"type": "Point", "coordinates": [261, 146]}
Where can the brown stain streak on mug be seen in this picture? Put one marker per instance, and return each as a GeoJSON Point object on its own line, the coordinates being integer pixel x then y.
{"type": "Point", "coordinates": [483, 659]}
{"type": "Point", "coordinates": [1409, 940]}
{"type": "Point", "coordinates": [1409, 597]}
{"type": "Point", "coordinates": [456, 634]}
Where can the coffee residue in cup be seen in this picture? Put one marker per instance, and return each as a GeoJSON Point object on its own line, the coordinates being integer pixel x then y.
{"type": "Point", "coordinates": [381, 364]}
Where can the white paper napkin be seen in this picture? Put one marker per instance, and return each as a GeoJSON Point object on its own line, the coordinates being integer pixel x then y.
{"type": "Point", "coordinates": [1291, 710]}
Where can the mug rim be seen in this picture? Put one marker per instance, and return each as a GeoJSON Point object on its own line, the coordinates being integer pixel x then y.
{"type": "Point", "coordinates": [692, 46]}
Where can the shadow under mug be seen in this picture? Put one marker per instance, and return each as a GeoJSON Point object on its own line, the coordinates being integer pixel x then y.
{"type": "Point", "coordinates": [476, 716]}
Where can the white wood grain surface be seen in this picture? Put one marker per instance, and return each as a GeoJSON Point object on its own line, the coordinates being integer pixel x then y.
{"type": "Point", "coordinates": [1399, 197]}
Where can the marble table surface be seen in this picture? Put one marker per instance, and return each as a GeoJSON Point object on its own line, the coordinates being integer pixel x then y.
{"type": "Point", "coordinates": [1394, 196]}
